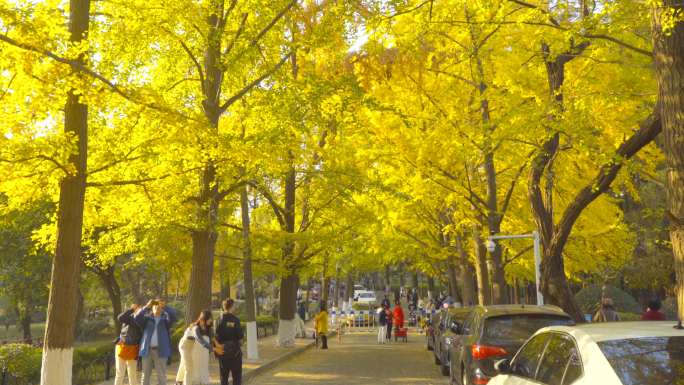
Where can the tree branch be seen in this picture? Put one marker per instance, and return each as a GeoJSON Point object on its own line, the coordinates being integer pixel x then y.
{"type": "Point", "coordinates": [509, 193]}
{"type": "Point", "coordinates": [267, 28]}
{"type": "Point", "coordinates": [187, 50]}
{"type": "Point", "coordinates": [647, 132]}
{"type": "Point", "coordinates": [253, 84]}
{"type": "Point", "coordinates": [277, 209]}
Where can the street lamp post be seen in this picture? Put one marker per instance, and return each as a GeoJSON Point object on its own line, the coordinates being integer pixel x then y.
{"type": "Point", "coordinates": [491, 246]}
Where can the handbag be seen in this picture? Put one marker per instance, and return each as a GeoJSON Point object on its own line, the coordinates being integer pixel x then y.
{"type": "Point", "coordinates": [127, 352]}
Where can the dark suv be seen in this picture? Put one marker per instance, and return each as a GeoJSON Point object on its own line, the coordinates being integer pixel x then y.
{"type": "Point", "coordinates": [491, 333]}
{"type": "Point", "coordinates": [446, 333]}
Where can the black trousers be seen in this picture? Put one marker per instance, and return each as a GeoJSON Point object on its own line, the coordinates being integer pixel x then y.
{"type": "Point", "coordinates": [228, 366]}
{"type": "Point", "coordinates": [324, 340]}
{"type": "Point", "coordinates": [389, 331]}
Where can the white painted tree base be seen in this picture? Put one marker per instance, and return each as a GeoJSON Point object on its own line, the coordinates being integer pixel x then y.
{"type": "Point", "coordinates": [286, 333]}
{"type": "Point", "coordinates": [56, 367]}
{"type": "Point", "coordinates": [252, 345]}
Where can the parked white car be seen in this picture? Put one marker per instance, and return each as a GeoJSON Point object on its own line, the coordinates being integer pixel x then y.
{"type": "Point", "coordinates": [615, 353]}
{"type": "Point", "coordinates": [366, 297]}
{"type": "Point", "coordinates": [357, 290]}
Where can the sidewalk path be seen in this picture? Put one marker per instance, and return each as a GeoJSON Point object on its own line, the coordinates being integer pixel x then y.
{"type": "Point", "coordinates": [358, 360]}
{"type": "Point", "coordinates": [269, 355]}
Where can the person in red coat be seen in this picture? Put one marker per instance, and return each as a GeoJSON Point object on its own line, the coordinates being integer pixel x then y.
{"type": "Point", "coordinates": [653, 312]}
{"type": "Point", "coordinates": [398, 316]}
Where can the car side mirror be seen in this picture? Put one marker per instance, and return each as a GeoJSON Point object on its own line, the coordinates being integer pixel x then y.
{"type": "Point", "coordinates": [503, 366]}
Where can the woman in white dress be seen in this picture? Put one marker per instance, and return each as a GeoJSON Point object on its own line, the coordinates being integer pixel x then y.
{"type": "Point", "coordinates": [195, 347]}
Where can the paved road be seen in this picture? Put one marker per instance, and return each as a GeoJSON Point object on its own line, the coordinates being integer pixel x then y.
{"type": "Point", "coordinates": [359, 360]}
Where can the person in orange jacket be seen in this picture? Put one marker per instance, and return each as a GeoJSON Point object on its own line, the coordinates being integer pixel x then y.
{"type": "Point", "coordinates": [398, 316]}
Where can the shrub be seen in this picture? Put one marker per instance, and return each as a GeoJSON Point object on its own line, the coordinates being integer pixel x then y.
{"type": "Point", "coordinates": [589, 299]}
{"type": "Point", "coordinates": [267, 321]}
{"type": "Point", "coordinates": [21, 361]}
{"type": "Point", "coordinates": [89, 330]}
{"type": "Point", "coordinates": [629, 316]}
{"type": "Point", "coordinates": [92, 362]}
{"type": "Point", "coordinates": [87, 355]}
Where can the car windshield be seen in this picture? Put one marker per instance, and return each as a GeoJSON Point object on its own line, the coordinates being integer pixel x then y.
{"type": "Point", "coordinates": [366, 295]}
{"type": "Point", "coordinates": [646, 361]}
{"type": "Point", "coordinates": [517, 327]}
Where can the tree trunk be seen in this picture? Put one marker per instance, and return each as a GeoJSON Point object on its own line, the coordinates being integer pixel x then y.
{"type": "Point", "coordinates": [290, 283]}
{"type": "Point", "coordinates": [388, 279]}
{"type": "Point", "coordinates": [108, 278]}
{"type": "Point", "coordinates": [431, 287]}
{"type": "Point", "coordinates": [205, 236]}
{"type": "Point", "coordinates": [25, 322]}
{"type": "Point", "coordinates": [452, 274]}
{"type": "Point", "coordinates": [199, 291]}
{"type": "Point", "coordinates": [336, 299]}
{"type": "Point", "coordinates": [252, 346]}
{"type": "Point", "coordinates": [481, 271]}
{"type": "Point", "coordinates": [669, 60]}
{"type": "Point", "coordinates": [466, 274]}
{"type": "Point", "coordinates": [288, 307]}
{"type": "Point", "coordinates": [325, 290]}
{"type": "Point", "coordinates": [61, 313]}
{"type": "Point", "coordinates": [402, 277]}
{"type": "Point", "coordinates": [225, 286]}
{"type": "Point", "coordinates": [349, 290]}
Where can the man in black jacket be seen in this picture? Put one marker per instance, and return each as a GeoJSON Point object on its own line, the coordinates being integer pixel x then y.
{"type": "Point", "coordinates": [127, 345]}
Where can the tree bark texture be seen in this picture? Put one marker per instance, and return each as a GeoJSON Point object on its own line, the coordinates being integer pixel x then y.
{"type": "Point", "coordinates": [669, 60]}
{"type": "Point", "coordinates": [61, 312]}
{"type": "Point", "coordinates": [205, 236]}
{"type": "Point", "coordinates": [247, 256]}
{"type": "Point", "coordinates": [481, 271]}
{"type": "Point", "coordinates": [108, 278]}
{"type": "Point", "coordinates": [466, 273]}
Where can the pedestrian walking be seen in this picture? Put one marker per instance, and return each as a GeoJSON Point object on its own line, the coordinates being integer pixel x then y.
{"type": "Point", "coordinates": [382, 322]}
{"type": "Point", "coordinates": [302, 310]}
{"type": "Point", "coordinates": [321, 324]}
{"type": "Point", "coordinates": [607, 312]}
{"type": "Point", "coordinates": [155, 346]}
{"type": "Point", "coordinates": [300, 328]}
{"type": "Point", "coordinates": [390, 321]}
{"type": "Point", "coordinates": [195, 347]}
{"type": "Point", "coordinates": [229, 336]}
{"type": "Point", "coordinates": [653, 312]}
{"type": "Point", "coordinates": [385, 302]}
{"type": "Point", "coordinates": [127, 346]}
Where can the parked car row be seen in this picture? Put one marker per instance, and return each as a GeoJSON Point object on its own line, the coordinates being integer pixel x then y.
{"type": "Point", "coordinates": [525, 345]}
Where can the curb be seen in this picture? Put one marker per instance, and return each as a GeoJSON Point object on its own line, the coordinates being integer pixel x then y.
{"type": "Point", "coordinates": [249, 376]}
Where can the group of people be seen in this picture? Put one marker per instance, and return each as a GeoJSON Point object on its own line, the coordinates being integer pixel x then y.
{"type": "Point", "coordinates": [146, 336]}
{"type": "Point", "coordinates": [387, 319]}
{"type": "Point", "coordinates": [608, 313]}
